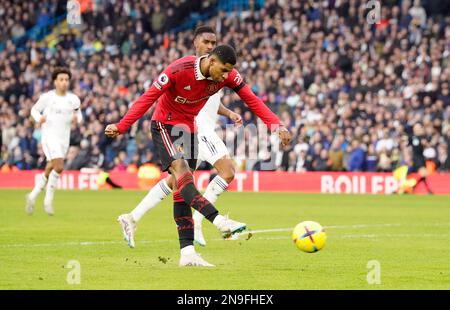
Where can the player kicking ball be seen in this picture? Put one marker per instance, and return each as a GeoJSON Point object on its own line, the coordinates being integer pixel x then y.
{"type": "Point", "coordinates": [54, 113]}
{"type": "Point", "coordinates": [211, 149]}
{"type": "Point", "coordinates": [183, 89]}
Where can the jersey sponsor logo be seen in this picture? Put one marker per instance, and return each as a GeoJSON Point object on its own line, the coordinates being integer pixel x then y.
{"type": "Point", "coordinates": [212, 88]}
{"type": "Point", "coordinates": [163, 79]}
{"type": "Point", "coordinates": [183, 100]}
{"type": "Point", "coordinates": [180, 99]}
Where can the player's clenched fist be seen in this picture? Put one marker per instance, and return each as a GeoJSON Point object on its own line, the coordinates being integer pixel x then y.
{"type": "Point", "coordinates": [236, 118]}
{"type": "Point", "coordinates": [285, 135]}
{"type": "Point", "coordinates": [112, 131]}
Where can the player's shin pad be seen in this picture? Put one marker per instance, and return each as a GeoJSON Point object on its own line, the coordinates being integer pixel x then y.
{"type": "Point", "coordinates": [185, 224]}
{"type": "Point", "coordinates": [194, 199]}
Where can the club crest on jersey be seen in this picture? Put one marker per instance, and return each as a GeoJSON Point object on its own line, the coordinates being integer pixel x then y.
{"type": "Point", "coordinates": [163, 79]}
{"type": "Point", "coordinates": [212, 88]}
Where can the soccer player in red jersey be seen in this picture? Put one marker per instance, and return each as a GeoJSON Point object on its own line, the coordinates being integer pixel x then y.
{"type": "Point", "coordinates": [183, 88]}
{"type": "Point", "coordinates": [211, 149]}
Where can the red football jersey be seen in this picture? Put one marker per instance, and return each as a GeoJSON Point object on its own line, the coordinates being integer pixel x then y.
{"type": "Point", "coordinates": [183, 91]}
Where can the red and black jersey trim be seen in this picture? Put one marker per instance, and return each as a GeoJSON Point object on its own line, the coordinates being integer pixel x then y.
{"type": "Point", "coordinates": [239, 87]}
{"type": "Point", "coordinates": [182, 66]}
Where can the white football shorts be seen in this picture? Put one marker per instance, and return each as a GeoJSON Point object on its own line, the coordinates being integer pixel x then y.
{"type": "Point", "coordinates": [55, 148]}
{"type": "Point", "coordinates": [211, 148]}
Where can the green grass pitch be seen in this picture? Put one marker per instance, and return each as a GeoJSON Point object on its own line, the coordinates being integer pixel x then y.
{"type": "Point", "coordinates": [408, 235]}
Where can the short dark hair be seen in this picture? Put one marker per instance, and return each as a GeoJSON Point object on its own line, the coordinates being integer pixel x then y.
{"type": "Point", "coordinates": [225, 53]}
{"type": "Point", "coordinates": [203, 29]}
{"type": "Point", "coordinates": [60, 70]}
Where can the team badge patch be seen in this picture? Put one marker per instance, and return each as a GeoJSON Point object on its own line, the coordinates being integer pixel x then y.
{"type": "Point", "coordinates": [212, 88]}
{"type": "Point", "coordinates": [163, 79]}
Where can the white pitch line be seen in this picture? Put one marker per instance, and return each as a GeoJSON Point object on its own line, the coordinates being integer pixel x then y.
{"type": "Point", "coordinates": [369, 236]}
{"type": "Point", "coordinates": [344, 227]}
{"type": "Point", "coordinates": [82, 243]}
{"type": "Point", "coordinates": [259, 231]}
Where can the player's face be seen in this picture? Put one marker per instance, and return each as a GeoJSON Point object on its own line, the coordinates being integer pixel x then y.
{"type": "Point", "coordinates": [205, 43]}
{"type": "Point", "coordinates": [62, 82]}
{"type": "Point", "coordinates": [219, 71]}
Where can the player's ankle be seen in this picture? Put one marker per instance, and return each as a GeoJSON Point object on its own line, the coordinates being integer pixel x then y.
{"type": "Point", "coordinates": [187, 250]}
{"type": "Point", "coordinates": [218, 220]}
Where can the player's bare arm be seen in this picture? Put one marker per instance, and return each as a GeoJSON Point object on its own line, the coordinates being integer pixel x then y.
{"type": "Point", "coordinates": [236, 82]}
{"type": "Point", "coordinates": [235, 117]}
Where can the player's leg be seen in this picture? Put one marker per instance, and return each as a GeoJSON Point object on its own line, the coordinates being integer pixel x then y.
{"type": "Point", "coordinates": [185, 225]}
{"type": "Point", "coordinates": [153, 197]}
{"type": "Point", "coordinates": [183, 218]}
{"type": "Point", "coordinates": [40, 183]}
{"type": "Point", "coordinates": [156, 194]}
{"type": "Point", "coordinates": [213, 150]}
{"type": "Point", "coordinates": [225, 174]}
{"type": "Point", "coordinates": [173, 144]}
{"type": "Point", "coordinates": [48, 169]}
{"type": "Point", "coordinates": [173, 159]}
{"type": "Point", "coordinates": [186, 188]}
{"type": "Point", "coordinates": [57, 169]}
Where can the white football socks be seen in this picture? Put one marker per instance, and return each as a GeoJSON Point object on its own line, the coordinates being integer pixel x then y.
{"type": "Point", "coordinates": [39, 186]}
{"type": "Point", "coordinates": [51, 185]}
{"type": "Point", "coordinates": [188, 250]}
{"type": "Point", "coordinates": [214, 189]}
{"type": "Point", "coordinates": [154, 196]}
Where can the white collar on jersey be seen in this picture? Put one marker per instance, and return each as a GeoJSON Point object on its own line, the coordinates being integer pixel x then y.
{"type": "Point", "coordinates": [198, 73]}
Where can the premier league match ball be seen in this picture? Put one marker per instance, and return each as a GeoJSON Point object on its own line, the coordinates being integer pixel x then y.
{"type": "Point", "coordinates": [309, 236]}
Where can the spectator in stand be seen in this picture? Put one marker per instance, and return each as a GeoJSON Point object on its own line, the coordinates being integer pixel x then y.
{"type": "Point", "coordinates": [356, 157]}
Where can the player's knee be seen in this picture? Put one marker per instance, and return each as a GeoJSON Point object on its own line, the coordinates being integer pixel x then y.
{"type": "Point", "coordinates": [227, 173]}
{"type": "Point", "coordinates": [179, 167]}
{"type": "Point", "coordinates": [58, 168]}
{"type": "Point", "coordinates": [170, 181]}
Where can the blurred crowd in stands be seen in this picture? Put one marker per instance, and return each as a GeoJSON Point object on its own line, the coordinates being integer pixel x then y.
{"type": "Point", "coordinates": [349, 90]}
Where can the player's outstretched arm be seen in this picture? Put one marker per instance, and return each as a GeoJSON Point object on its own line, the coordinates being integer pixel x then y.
{"type": "Point", "coordinates": [145, 102]}
{"type": "Point", "coordinates": [258, 107]}
{"type": "Point", "coordinates": [265, 114]}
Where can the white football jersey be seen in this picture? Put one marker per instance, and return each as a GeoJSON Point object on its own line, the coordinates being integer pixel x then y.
{"type": "Point", "coordinates": [207, 117]}
{"type": "Point", "coordinates": [58, 111]}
